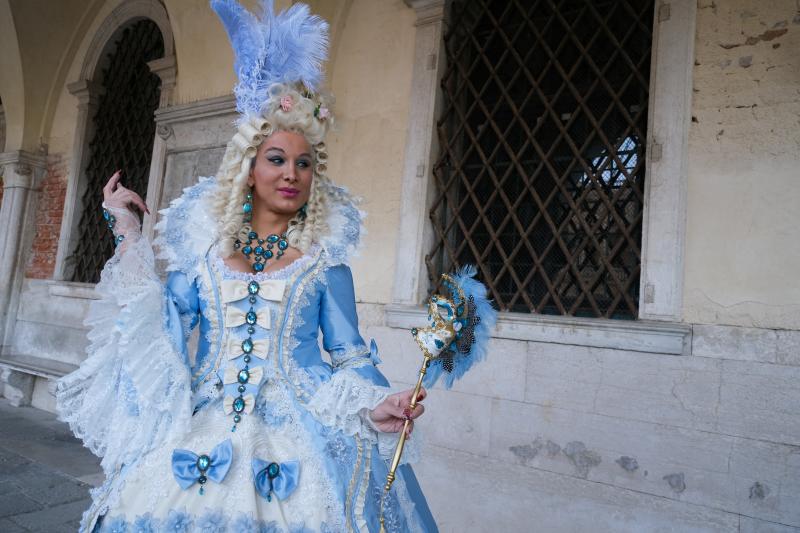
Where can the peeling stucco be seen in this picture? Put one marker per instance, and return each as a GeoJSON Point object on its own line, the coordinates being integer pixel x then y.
{"type": "Point", "coordinates": [629, 464]}
{"type": "Point", "coordinates": [676, 482]}
{"type": "Point", "coordinates": [527, 452]}
{"type": "Point", "coordinates": [759, 491]}
{"type": "Point", "coordinates": [582, 458]}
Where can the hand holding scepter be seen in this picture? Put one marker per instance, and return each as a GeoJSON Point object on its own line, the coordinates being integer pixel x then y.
{"type": "Point", "coordinates": [456, 338]}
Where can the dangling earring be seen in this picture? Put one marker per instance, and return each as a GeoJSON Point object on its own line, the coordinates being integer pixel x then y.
{"type": "Point", "coordinates": [247, 206]}
{"type": "Point", "coordinates": [303, 211]}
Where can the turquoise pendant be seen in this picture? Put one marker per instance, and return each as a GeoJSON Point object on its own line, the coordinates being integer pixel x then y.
{"type": "Point", "coordinates": [238, 404]}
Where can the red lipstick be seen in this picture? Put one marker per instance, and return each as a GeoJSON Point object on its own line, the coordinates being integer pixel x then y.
{"type": "Point", "coordinates": [288, 192]}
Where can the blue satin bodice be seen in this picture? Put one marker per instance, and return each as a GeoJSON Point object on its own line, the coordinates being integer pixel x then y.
{"type": "Point", "coordinates": [327, 305]}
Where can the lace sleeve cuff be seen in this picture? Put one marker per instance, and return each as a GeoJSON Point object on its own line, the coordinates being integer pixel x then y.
{"type": "Point", "coordinates": [339, 402]}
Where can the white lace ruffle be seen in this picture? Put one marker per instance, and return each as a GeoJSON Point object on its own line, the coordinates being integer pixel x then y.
{"type": "Point", "coordinates": [133, 388]}
{"type": "Point", "coordinates": [338, 402]}
{"type": "Point", "coordinates": [185, 230]}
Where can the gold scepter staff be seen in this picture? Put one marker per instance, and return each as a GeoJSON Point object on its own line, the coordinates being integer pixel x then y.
{"type": "Point", "coordinates": [455, 339]}
{"type": "Point", "coordinates": [398, 451]}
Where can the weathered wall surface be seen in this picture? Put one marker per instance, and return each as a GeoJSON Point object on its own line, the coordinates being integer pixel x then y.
{"type": "Point", "coordinates": [548, 437]}
{"type": "Point", "coordinates": [742, 253]}
{"type": "Point", "coordinates": [372, 84]}
{"type": "Point", "coordinates": [545, 437]}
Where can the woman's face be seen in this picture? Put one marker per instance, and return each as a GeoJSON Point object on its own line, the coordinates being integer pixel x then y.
{"type": "Point", "coordinates": [282, 174]}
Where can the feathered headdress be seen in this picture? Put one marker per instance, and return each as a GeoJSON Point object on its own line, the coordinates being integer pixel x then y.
{"type": "Point", "coordinates": [287, 48]}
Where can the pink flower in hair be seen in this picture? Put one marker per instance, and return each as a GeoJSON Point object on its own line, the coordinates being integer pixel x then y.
{"type": "Point", "coordinates": [323, 113]}
{"type": "Point", "coordinates": [286, 103]}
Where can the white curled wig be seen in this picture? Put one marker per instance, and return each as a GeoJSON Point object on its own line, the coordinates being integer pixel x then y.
{"type": "Point", "coordinates": [309, 115]}
{"type": "Point", "coordinates": [278, 59]}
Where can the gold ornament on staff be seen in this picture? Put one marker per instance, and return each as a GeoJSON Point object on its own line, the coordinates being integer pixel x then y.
{"type": "Point", "coordinates": [457, 335]}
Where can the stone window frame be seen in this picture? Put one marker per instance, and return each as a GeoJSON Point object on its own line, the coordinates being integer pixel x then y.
{"type": "Point", "coordinates": [86, 90]}
{"type": "Point", "coordinates": [659, 328]}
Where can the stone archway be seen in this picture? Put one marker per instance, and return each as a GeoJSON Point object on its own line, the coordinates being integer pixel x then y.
{"type": "Point", "coordinates": [12, 90]}
{"type": "Point", "coordinates": [86, 89]}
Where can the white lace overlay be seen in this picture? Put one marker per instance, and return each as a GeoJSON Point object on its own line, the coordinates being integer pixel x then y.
{"type": "Point", "coordinates": [133, 388]}
{"type": "Point", "coordinates": [338, 403]}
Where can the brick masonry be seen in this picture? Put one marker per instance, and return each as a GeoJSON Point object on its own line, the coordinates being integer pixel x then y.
{"type": "Point", "coordinates": [42, 260]}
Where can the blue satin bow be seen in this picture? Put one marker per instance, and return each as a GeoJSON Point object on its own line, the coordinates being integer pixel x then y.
{"type": "Point", "coordinates": [190, 468]}
{"type": "Point", "coordinates": [274, 478]}
{"type": "Point", "coordinates": [373, 353]}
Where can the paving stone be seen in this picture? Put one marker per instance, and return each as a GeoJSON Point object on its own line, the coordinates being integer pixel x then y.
{"type": "Point", "coordinates": [53, 519]}
{"type": "Point", "coordinates": [15, 503]}
{"type": "Point", "coordinates": [57, 490]}
{"type": "Point", "coordinates": [11, 462]}
{"type": "Point", "coordinates": [7, 487]}
{"type": "Point", "coordinates": [7, 526]}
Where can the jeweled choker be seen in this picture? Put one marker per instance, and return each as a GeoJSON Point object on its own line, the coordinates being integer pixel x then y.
{"type": "Point", "coordinates": [263, 250]}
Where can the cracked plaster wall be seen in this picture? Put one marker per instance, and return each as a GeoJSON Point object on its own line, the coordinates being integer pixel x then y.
{"type": "Point", "coordinates": [742, 253]}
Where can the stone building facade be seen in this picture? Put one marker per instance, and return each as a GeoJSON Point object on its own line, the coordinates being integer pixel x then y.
{"type": "Point", "coordinates": [684, 419]}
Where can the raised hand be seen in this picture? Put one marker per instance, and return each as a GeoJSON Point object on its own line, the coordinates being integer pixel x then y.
{"type": "Point", "coordinates": [118, 203]}
{"type": "Point", "coordinates": [115, 195]}
{"type": "Point", "coordinates": [390, 415]}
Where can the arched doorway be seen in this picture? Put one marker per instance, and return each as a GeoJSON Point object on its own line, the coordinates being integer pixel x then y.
{"type": "Point", "coordinates": [123, 129]}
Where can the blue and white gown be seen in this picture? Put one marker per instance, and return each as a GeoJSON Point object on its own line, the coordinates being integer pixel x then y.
{"type": "Point", "coordinates": [256, 432]}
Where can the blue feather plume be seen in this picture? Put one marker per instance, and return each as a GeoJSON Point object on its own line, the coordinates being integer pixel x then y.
{"type": "Point", "coordinates": [287, 47]}
{"type": "Point", "coordinates": [462, 362]}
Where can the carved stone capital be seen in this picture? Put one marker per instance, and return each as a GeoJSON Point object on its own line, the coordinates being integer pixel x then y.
{"type": "Point", "coordinates": [22, 169]}
{"type": "Point", "coordinates": [428, 11]}
{"type": "Point", "coordinates": [166, 69]}
{"type": "Point", "coordinates": [86, 91]}
{"type": "Point", "coordinates": [164, 131]}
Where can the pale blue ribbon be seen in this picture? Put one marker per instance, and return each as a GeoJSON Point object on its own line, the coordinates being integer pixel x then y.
{"type": "Point", "coordinates": [373, 352]}
{"type": "Point", "coordinates": [184, 465]}
{"type": "Point", "coordinates": [282, 485]}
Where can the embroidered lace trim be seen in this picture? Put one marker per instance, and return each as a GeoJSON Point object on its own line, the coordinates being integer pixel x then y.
{"type": "Point", "coordinates": [130, 356]}
{"type": "Point", "coordinates": [339, 401]}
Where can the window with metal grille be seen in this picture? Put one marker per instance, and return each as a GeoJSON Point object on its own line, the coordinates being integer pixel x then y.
{"type": "Point", "coordinates": [540, 174]}
{"type": "Point", "coordinates": [123, 139]}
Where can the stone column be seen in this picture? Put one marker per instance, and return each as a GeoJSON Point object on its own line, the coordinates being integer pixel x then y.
{"type": "Point", "coordinates": [415, 235]}
{"type": "Point", "coordinates": [164, 68]}
{"type": "Point", "coordinates": [22, 175]}
{"type": "Point", "coordinates": [87, 93]}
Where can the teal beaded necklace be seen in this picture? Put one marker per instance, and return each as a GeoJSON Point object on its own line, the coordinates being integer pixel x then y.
{"type": "Point", "coordinates": [262, 249]}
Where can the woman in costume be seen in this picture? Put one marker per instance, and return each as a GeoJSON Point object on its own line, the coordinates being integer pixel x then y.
{"type": "Point", "coordinates": [255, 432]}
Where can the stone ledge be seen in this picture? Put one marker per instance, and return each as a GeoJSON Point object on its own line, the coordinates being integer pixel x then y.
{"type": "Point", "coordinates": [640, 336]}
{"type": "Point", "coordinates": [211, 107]}
{"type": "Point", "coordinates": [84, 291]}
{"type": "Point", "coordinates": [37, 366]}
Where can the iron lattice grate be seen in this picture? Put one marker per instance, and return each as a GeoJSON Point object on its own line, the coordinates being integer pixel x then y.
{"type": "Point", "coordinates": [123, 139]}
{"type": "Point", "coordinates": [540, 174]}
